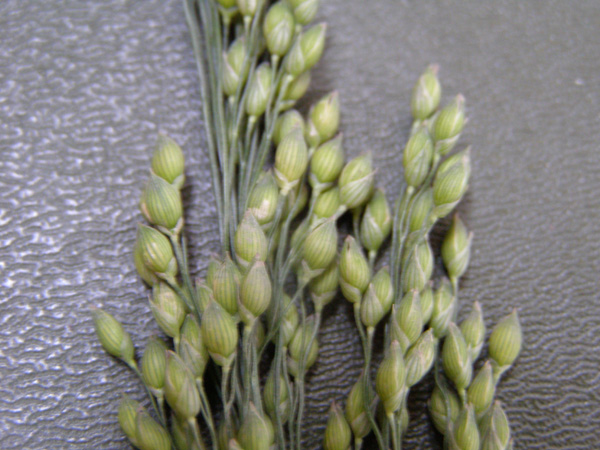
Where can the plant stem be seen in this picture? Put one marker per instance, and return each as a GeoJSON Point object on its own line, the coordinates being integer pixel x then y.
{"type": "Point", "coordinates": [193, 423]}
{"type": "Point", "coordinates": [207, 413]}
{"type": "Point", "coordinates": [356, 223]}
{"type": "Point", "coordinates": [225, 375]}
{"type": "Point", "coordinates": [161, 407]}
{"type": "Point", "coordinates": [277, 324]}
{"type": "Point", "coordinates": [281, 199]}
{"type": "Point", "coordinates": [367, 343]}
{"type": "Point", "coordinates": [197, 43]}
{"type": "Point", "coordinates": [398, 237]}
{"type": "Point", "coordinates": [184, 270]}
{"type": "Point", "coordinates": [302, 371]}
{"type": "Point", "coordinates": [255, 380]}
{"type": "Point", "coordinates": [392, 420]}
{"type": "Point", "coordinates": [278, 361]}
{"type": "Point", "coordinates": [358, 443]}
{"type": "Point", "coordinates": [133, 366]}
{"type": "Point", "coordinates": [246, 366]}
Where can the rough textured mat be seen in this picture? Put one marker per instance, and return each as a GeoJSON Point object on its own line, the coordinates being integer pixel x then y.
{"type": "Point", "coordinates": [84, 88]}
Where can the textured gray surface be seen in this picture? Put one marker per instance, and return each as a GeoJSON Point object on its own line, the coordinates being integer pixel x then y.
{"type": "Point", "coordinates": [84, 88]}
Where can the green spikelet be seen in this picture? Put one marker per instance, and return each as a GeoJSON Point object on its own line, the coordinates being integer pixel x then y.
{"type": "Point", "coordinates": [354, 271]}
{"type": "Point", "coordinates": [389, 382]}
{"type": "Point", "coordinates": [338, 435]}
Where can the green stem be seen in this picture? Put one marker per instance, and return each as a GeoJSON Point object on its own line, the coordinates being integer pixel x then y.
{"type": "Point", "coordinates": [268, 133]}
{"type": "Point", "coordinates": [207, 413]}
{"type": "Point", "coordinates": [133, 366]}
{"type": "Point", "coordinates": [302, 371]}
{"type": "Point", "coordinates": [398, 425]}
{"type": "Point", "coordinates": [367, 343]}
{"type": "Point", "coordinates": [395, 439]}
{"type": "Point", "coordinates": [356, 222]}
{"type": "Point", "coordinates": [441, 384]}
{"type": "Point", "coordinates": [454, 282]}
{"type": "Point", "coordinates": [225, 33]}
{"type": "Point", "coordinates": [161, 406]}
{"type": "Point", "coordinates": [299, 378]}
{"type": "Point", "coordinates": [193, 423]}
{"type": "Point", "coordinates": [286, 377]}
{"type": "Point", "coordinates": [276, 326]}
{"type": "Point", "coordinates": [225, 392]}
{"type": "Point", "coordinates": [255, 379]}
{"type": "Point", "coordinates": [246, 365]}
{"type": "Point", "coordinates": [295, 251]}
{"type": "Point", "coordinates": [399, 236]}
{"type": "Point", "coordinates": [211, 21]}
{"type": "Point", "coordinates": [367, 389]}
{"type": "Point", "coordinates": [244, 176]}
{"type": "Point", "coordinates": [278, 361]}
{"type": "Point", "coordinates": [192, 20]}
{"type": "Point", "coordinates": [184, 270]}
{"type": "Point", "coordinates": [170, 280]}
{"type": "Point", "coordinates": [212, 37]}
{"type": "Point", "coordinates": [281, 200]}
{"type": "Point", "coordinates": [372, 257]}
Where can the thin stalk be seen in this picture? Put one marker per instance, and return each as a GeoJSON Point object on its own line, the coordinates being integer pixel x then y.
{"type": "Point", "coordinates": [398, 425]}
{"type": "Point", "coordinates": [243, 187]}
{"type": "Point", "coordinates": [399, 249]}
{"type": "Point", "coordinates": [238, 101]}
{"type": "Point", "coordinates": [278, 361]}
{"type": "Point", "coordinates": [367, 343]}
{"type": "Point", "coordinates": [161, 406]}
{"type": "Point", "coordinates": [170, 280]}
{"type": "Point", "coordinates": [212, 37]}
{"type": "Point", "coordinates": [207, 413]}
{"type": "Point", "coordinates": [454, 282]}
{"type": "Point", "coordinates": [440, 382]}
{"type": "Point", "coordinates": [193, 423]}
{"type": "Point", "coordinates": [367, 388]}
{"type": "Point", "coordinates": [281, 199]}
{"type": "Point", "coordinates": [277, 324]}
{"type": "Point", "coordinates": [211, 20]}
{"type": "Point", "coordinates": [295, 439]}
{"type": "Point", "coordinates": [294, 252]}
{"type": "Point", "coordinates": [269, 128]}
{"type": "Point", "coordinates": [302, 372]}
{"type": "Point", "coordinates": [255, 380]}
{"type": "Point", "coordinates": [237, 384]}
{"type": "Point", "coordinates": [225, 33]}
{"type": "Point", "coordinates": [395, 439]}
{"type": "Point", "coordinates": [225, 376]}
{"type": "Point", "coordinates": [208, 125]}
{"type": "Point", "coordinates": [133, 366]}
{"type": "Point", "coordinates": [252, 120]}
{"type": "Point", "coordinates": [246, 366]}
{"type": "Point", "coordinates": [286, 377]}
{"type": "Point", "coordinates": [372, 256]}
{"type": "Point", "coordinates": [399, 236]}
{"type": "Point", "coordinates": [356, 223]}
{"type": "Point", "coordinates": [183, 268]}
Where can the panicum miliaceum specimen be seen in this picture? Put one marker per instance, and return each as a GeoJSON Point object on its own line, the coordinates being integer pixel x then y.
{"type": "Point", "coordinates": [278, 216]}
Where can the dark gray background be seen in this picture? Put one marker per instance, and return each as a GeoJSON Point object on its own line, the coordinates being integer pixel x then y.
{"type": "Point", "coordinates": [84, 88]}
